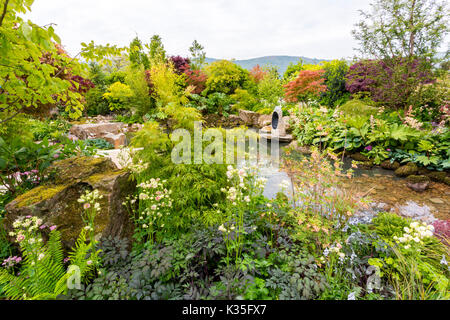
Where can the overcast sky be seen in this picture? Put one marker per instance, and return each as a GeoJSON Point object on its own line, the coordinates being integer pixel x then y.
{"type": "Point", "coordinates": [239, 29]}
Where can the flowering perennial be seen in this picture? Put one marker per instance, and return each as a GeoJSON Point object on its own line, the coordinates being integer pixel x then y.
{"type": "Point", "coordinates": [416, 232]}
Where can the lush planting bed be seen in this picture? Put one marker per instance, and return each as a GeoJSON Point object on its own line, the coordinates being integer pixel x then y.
{"type": "Point", "coordinates": [156, 229]}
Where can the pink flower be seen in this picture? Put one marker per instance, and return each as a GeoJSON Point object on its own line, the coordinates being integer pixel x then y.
{"type": "Point", "coordinates": [86, 206]}
{"type": "Point", "coordinates": [52, 228]}
{"type": "Point", "coordinates": [89, 262]}
{"type": "Point", "coordinates": [20, 237]}
{"type": "Point", "coordinates": [43, 227]}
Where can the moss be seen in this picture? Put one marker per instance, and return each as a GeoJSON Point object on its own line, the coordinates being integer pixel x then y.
{"type": "Point", "coordinates": [407, 170]}
{"type": "Point", "coordinates": [437, 176]}
{"type": "Point", "coordinates": [365, 164]}
{"type": "Point", "coordinates": [418, 179]}
{"type": "Point", "coordinates": [38, 194]}
{"type": "Point", "coordinates": [390, 166]}
{"type": "Point", "coordinates": [447, 181]}
{"type": "Point", "coordinates": [359, 157]}
{"type": "Point", "coordinates": [96, 178]}
{"type": "Point", "coordinates": [79, 168]}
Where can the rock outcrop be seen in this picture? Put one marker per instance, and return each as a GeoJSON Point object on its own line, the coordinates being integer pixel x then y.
{"type": "Point", "coordinates": [249, 118]}
{"type": "Point", "coordinates": [113, 132]}
{"type": "Point", "coordinates": [56, 201]}
{"type": "Point", "coordinates": [264, 120]}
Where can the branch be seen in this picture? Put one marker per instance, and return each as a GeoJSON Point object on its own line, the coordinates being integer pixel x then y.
{"type": "Point", "coordinates": [15, 114]}
{"type": "Point", "coordinates": [5, 7]}
{"type": "Point", "coordinates": [68, 63]}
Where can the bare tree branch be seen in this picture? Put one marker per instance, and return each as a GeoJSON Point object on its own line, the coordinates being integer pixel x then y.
{"type": "Point", "coordinates": [5, 7]}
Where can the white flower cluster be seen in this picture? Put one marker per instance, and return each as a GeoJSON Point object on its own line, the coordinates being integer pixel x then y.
{"type": "Point", "coordinates": [335, 249]}
{"type": "Point", "coordinates": [25, 228]}
{"type": "Point", "coordinates": [89, 200]}
{"type": "Point", "coordinates": [416, 232]}
{"type": "Point", "coordinates": [245, 184]}
{"type": "Point", "coordinates": [26, 231]}
{"type": "Point", "coordinates": [138, 167]}
{"type": "Point", "coordinates": [157, 201]}
{"type": "Point", "coordinates": [223, 229]}
{"type": "Point", "coordinates": [284, 185]}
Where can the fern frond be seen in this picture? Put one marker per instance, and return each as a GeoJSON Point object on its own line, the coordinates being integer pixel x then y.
{"type": "Point", "coordinates": [55, 248]}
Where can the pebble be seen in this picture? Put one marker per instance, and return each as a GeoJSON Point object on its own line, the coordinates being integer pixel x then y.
{"type": "Point", "coordinates": [437, 201]}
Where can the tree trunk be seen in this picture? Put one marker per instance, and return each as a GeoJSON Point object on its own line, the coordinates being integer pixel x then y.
{"type": "Point", "coordinates": [412, 35]}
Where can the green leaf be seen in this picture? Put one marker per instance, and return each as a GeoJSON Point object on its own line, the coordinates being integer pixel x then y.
{"type": "Point", "coordinates": [26, 31]}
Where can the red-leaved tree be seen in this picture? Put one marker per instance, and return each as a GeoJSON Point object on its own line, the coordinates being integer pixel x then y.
{"type": "Point", "coordinates": [308, 84]}
{"type": "Point", "coordinates": [257, 73]}
{"type": "Point", "coordinates": [197, 79]}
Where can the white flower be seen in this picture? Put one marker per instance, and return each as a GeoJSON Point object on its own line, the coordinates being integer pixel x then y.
{"type": "Point", "coordinates": [41, 256]}
{"type": "Point", "coordinates": [414, 224]}
{"type": "Point", "coordinates": [247, 199]}
{"type": "Point", "coordinates": [352, 296]}
{"type": "Point", "coordinates": [444, 261]}
{"type": "Point", "coordinates": [222, 228]}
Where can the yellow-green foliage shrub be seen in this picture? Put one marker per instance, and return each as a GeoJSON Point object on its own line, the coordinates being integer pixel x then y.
{"type": "Point", "coordinates": [225, 76]}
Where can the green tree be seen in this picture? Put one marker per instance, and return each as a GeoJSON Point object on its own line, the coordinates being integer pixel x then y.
{"type": "Point", "coordinates": [157, 53]}
{"type": "Point", "coordinates": [197, 55]}
{"type": "Point", "coordinates": [403, 36]}
{"type": "Point", "coordinates": [292, 69]}
{"type": "Point", "coordinates": [27, 78]}
{"type": "Point", "coordinates": [335, 72]}
{"type": "Point", "coordinates": [402, 28]}
{"type": "Point", "coordinates": [137, 55]}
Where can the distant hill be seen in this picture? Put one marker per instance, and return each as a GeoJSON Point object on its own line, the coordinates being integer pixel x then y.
{"type": "Point", "coordinates": [281, 62]}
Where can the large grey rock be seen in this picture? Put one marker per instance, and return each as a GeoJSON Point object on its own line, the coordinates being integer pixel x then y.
{"type": "Point", "coordinates": [249, 118]}
{"type": "Point", "coordinates": [56, 202]}
{"type": "Point", "coordinates": [117, 140]}
{"type": "Point", "coordinates": [96, 130]}
{"type": "Point", "coordinates": [264, 120]}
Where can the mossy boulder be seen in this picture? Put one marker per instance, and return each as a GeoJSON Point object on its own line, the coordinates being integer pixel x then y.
{"type": "Point", "coordinates": [365, 164]}
{"type": "Point", "coordinates": [447, 181]}
{"type": "Point", "coordinates": [407, 170]}
{"type": "Point", "coordinates": [417, 179]}
{"type": "Point", "coordinates": [359, 157]}
{"type": "Point", "coordinates": [438, 176]}
{"type": "Point", "coordinates": [387, 164]}
{"type": "Point", "coordinates": [418, 183]}
{"type": "Point", "coordinates": [56, 202]}
{"type": "Point", "coordinates": [77, 169]}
